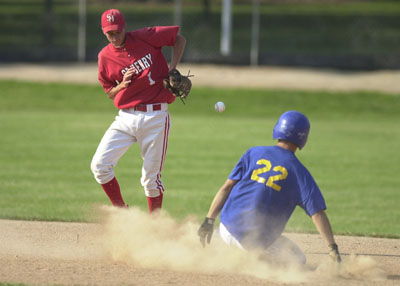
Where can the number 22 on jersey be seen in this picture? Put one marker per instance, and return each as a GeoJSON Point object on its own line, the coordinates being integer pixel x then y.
{"type": "Point", "coordinates": [272, 179]}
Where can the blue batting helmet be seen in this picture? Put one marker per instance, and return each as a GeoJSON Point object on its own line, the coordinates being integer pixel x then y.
{"type": "Point", "coordinates": [294, 127]}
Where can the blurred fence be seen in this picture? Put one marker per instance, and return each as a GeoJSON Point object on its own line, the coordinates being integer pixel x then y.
{"type": "Point", "coordinates": [335, 34]}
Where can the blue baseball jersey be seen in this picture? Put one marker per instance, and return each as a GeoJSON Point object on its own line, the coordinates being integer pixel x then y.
{"type": "Point", "coordinates": [271, 183]}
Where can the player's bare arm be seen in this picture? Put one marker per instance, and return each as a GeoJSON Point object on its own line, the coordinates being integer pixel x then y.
{"type": "Point", "coordinates": [177, 51]}
{"type": "Point", "coordinates": [321, 222]}
{"type": "Point", "coordinates": [207, 228]}
{"type": "Point", "coordinates": [127, 79]}
{"type": "Point", "coordinates": [220, 198]}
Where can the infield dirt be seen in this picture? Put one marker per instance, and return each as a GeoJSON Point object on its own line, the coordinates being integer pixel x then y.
{"type": "Point", "coordinates": [129, 247]}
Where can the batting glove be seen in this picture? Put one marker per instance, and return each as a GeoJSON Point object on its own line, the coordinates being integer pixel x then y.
{"type": "Point", "coordinates": [206, 230]}
{"type": "Point", "coordinates": [334, 253]}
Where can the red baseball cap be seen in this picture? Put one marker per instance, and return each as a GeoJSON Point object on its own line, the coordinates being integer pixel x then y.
{"type": "Point", "coordinates": [112, 20]}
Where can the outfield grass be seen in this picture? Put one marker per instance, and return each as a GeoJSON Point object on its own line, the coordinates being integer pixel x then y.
{"type": "Point", "coordinates": [50, 133]}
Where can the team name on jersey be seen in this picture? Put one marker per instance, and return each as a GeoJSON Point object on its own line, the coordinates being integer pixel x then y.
{"type": "Point", "coordinates": [140, 65]}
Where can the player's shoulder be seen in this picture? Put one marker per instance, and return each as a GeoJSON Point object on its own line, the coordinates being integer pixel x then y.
{"type": "Point", "coordinates": [276, 155]}
{"type": "Point", "coordinates": [262, 148]}
{"type": "Point", "coordinates": [140, 32]}
{"type": "Point", "coordinates": [302, 171]}
{"type": "Point", "coordinates": [149, 31]}
{"type": "Point", "coordinates": [259, 151]}
{"type": "Point", "coordinates": [105, 51]}
{"type": "Point", "coordinates": [139, 35]}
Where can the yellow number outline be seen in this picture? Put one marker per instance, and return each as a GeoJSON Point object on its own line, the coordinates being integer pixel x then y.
{"type": "Point", "coordinates": [272, 179]}
{"type": "Point", "coordinates": [256, 172]}
{"type": "Point", "coordinates": [281, 176]}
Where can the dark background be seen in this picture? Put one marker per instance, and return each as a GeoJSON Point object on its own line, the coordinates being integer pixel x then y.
{"type": "Point", "coordinates": [350, 35]}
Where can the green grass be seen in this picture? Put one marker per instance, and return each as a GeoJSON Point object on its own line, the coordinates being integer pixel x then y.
{"type": "Point", "coordinates": [50, 133]}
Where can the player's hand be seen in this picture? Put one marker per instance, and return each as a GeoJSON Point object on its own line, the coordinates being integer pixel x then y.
{"type": "Point", "coordinates": [334, 253]}
{"type": "Point", "coordinates": [127, 77]}
{"type": "Point", "coordinates": [206, 230]}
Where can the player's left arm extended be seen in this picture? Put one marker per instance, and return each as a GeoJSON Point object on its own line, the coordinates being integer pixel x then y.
{"type": "Point", "coordinates": [177, 51]}
{"type": "Point", "coordinates": [220, 198]}
{"type": "Point", "coordinates": [321, 222]}
{"type": "Point", "coordinates": [207, 227]}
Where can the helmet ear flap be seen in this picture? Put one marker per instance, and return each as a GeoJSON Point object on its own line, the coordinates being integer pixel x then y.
{"type": "Point", "coordinates": [294, 127]}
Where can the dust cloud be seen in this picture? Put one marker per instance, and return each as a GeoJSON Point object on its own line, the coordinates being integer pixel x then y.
{"type": "Point", "coordinates": [159, 241]}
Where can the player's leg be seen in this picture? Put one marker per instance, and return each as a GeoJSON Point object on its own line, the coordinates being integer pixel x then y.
{"type": "Point", "coordinates": [113, 192]}
{"type": "Point", "coordinates": [227, 237]}
{"type": "Point", "coordinates": [115, 142]}
{"type": "Point", "coordinates": [283, 250]}
{"type": "Point", "coordinates": [153, 141]}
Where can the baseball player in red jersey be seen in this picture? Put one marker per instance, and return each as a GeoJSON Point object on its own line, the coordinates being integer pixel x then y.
{"type": "Point", "coordinates": [131, 70]}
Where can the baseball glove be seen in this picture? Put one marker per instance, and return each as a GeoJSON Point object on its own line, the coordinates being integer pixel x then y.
{"type": "Point", "coordinates": [178, 84]}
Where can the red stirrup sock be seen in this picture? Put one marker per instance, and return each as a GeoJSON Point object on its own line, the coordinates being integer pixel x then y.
{"type": "Point", "coordinates": [114, 193]}
{"type": "Point", "coordinates": [155, 203]}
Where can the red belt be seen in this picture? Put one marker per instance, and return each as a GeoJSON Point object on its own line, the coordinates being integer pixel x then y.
{"type": "Point", "coordinates": [143, 107]}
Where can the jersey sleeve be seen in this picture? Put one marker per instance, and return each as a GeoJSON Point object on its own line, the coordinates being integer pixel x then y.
{"type": "Point", "coordinates": [240, 169]}
{"type": "Point", "coordinates": [312, 200]}
{"type": "Point", "coordinates": [158, 36]}
{"type": "Point", "coordinates": [102, 75]}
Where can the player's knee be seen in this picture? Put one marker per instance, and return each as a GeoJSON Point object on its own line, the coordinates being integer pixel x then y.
{"type": "Point", "coordinates": [102, 172]}
{"type": "Point", "coordinates": [94, 166]}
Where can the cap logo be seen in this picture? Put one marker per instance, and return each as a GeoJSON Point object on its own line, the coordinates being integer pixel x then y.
{"type": "Point", "coordinates": [110, 18]}
{"type": "Point", "coordinates": [301, 135]}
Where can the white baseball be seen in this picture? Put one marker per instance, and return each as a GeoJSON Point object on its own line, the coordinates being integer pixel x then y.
{"type": "Point", "coordinates": [219, 106]}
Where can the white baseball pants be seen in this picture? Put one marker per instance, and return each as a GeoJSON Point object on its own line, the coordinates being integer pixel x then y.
{"type": "Point", "coordinates": [282, 250]}
{"type": "Point", "coordinates": [150, 130]}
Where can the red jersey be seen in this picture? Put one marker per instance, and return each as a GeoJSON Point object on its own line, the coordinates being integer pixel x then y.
{"type": "Point", "coordinates": [142, 52]}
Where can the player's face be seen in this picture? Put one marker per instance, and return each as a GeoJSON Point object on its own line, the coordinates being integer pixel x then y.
{"type": "Point", "coordinates": [116, 38]}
